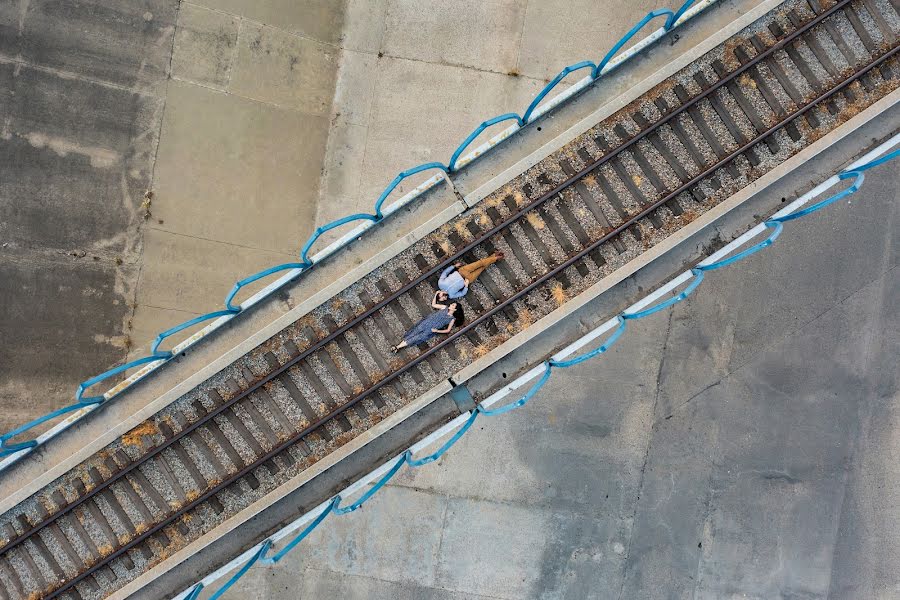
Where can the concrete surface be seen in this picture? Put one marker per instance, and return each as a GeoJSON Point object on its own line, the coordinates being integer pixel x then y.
{"type": "Point", "coordinates": [82, 90]}
{"type": "Point", "coordinates": [741, 444]}
{"type": "Point", "coordinates": [250, 122]}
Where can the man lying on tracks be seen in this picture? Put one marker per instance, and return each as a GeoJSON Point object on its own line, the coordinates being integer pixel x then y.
{"type": "Point", "coordinates": [456, 278]}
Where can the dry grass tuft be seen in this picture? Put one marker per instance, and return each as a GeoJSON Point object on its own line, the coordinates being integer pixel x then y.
{"type": "Point", "coordinates": [536, 221]}
{"type": "Point", "coordinates": [559, 294]}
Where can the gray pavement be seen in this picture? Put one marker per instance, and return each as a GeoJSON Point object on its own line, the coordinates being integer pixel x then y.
{"type": "Point", "coordinates": [742, 444]}
{"type": "Point", "coordinates": [81, 95]}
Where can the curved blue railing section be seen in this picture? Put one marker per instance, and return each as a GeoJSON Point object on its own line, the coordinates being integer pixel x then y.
{"type": "Point", "coordinates": [636, 311]}
{"type": "Point", "coordinates": [231, 310]}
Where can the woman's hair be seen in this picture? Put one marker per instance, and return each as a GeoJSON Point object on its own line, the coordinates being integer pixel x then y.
{"type": "Point", "coordinates": [458, 315]}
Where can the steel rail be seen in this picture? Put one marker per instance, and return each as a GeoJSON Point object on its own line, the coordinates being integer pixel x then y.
{"type": "Point", "coordinates": [531, 287]}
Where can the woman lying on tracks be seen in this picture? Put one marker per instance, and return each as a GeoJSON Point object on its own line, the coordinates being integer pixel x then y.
{"type": "Point", "coordinates": [440, 321]}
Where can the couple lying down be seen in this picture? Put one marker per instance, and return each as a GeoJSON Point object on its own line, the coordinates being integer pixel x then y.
{"type": "Point", "coordinates": [453, 283]}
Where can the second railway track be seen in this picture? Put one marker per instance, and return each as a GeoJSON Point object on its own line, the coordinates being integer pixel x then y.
{"type": "Point", "coordinates": [620, 188]}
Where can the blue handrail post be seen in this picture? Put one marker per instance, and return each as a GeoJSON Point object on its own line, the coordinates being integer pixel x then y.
{"type": "Point", "coordinates": [400, 177]}
{"type": "Point", "coordinates": [526, 118]}
{"type": "Point", "coordinates": [412, 462]}
{"type": "Point", "coordinates": [471, 137]}
{"type": "Point", "coordinates": [776, 226]}
{"type": "Point", "coordinates": [259, 554]}
{"type": "Point", "coordinates": [673, 18]}
{"type": "Point", "coordinates": [697, 279]}
{"type": "Point", "coordinates": [858, 176]}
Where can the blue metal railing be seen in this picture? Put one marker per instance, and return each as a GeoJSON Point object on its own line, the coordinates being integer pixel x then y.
{"type": "Point", "coordinates": [775, 224]}
{"type": "Point", "coordinates": [159, 356]}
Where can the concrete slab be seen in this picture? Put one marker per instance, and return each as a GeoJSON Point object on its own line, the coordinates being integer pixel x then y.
{"type": "Point", "coordinates": [222, 146]}
{"type": "Point", "coordinates": [38, 363]}
{"type": "Point", "coordinates": [405, 546]}
{"type": "Point", "coordinates": [319, 21]}
{"type": "Point", "coordinates": [757, 507]}
{"type": "Point", "coordinates": [204, 47]}
{"type": "Point", "coordinates": [83, 153]}
{"type": "Point", "coordinates": [191, 274]}
{"type": "Point", "coordinates": [364, 25]}
{"type": "Point", "coordinates": [395, 133]}
{"type": "Point", "coordinates": [864, 563]}
{"type": "Point", "coordinates": [399, 132]}
{"type": "Point", "coordinates": [447, 104]}
{"type": "Point", "coordinates": [125, 44]}
{"type": "Point", "coordinates": [279, 68]}
{"type": "Point", "coordinates": [504, 560]}
{"type": "Point", "coordinates": [482, 35]}
{"type": "Point", "coordinates": [724, 351]}
{"type": "Point", "coordinates": [253, 145]}
{"type": "Point", "coordinates": [80, 108]}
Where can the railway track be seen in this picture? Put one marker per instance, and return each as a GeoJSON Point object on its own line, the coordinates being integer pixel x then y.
{"type": "Point", "coordinates": [575, 217]}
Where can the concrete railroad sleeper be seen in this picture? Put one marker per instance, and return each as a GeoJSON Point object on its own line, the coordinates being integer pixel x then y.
{"type": "Point", "coordinates": [681, 149]}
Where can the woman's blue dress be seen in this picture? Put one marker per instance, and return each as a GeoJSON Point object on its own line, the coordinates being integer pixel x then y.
{"type": "Point", "coordinates": [421, 331]}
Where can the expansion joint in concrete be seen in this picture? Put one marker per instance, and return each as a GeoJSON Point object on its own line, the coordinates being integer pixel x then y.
{"type": "Point", "coordinates": [646, 459]}
{"type": "Point", "coordinates": [438, 63]}
{"type": "Point", "coordinates": [19, 62]}
{"type": "Point", "coordinates": [453, 188]}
